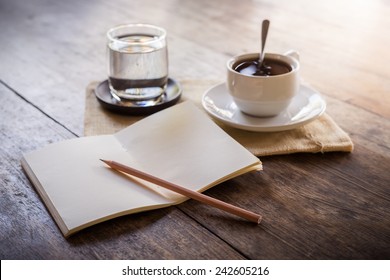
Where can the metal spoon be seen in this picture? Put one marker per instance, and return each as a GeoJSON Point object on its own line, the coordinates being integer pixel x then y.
{"type": "Point", "coordinates": [264, 32]}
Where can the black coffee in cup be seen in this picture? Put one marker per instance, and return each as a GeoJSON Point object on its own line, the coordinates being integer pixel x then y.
{"type": "Point", "coordinates": [263, 94]}
{"type": "Point", "coordinates": [270, 67]}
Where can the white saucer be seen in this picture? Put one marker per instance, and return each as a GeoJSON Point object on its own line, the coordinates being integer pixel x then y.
{"type": "Point", "coordinates": [305, 107]}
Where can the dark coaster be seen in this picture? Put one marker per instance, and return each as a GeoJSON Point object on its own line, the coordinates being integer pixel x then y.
{"type": "Point", "coordinates": [167, 99]}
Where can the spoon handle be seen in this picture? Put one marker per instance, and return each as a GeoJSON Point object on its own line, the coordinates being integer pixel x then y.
{"type": "Point", "coordinates": [264, 32]}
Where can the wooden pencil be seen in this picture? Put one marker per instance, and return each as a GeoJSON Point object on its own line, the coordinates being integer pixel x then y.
{"type": "Point", "coordinates": [250, 216]}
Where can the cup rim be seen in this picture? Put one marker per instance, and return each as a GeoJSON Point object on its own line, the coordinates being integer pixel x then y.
{"type": "Point", "coordinates": [159, 37]}
{"type": "Point", "coordinates": [234, 59]}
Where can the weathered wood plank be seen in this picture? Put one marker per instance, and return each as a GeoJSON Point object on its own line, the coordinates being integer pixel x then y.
{"type": "Point", "coordinates": [315, 206]}
{"type": "Point", "coordinates": [62, 59]}
{"type": "Point", "coordinates": [315, 203]}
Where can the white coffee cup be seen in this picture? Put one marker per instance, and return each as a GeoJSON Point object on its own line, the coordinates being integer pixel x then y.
{"type": "Point", "coordinates": [263, 96]}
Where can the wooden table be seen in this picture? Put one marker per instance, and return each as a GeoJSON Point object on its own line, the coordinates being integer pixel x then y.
{"type": "Point", "coordinates": [315, 206]}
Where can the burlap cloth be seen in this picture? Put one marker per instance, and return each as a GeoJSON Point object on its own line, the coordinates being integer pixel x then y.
{"type": "Point", "coordinates": [320, 135]}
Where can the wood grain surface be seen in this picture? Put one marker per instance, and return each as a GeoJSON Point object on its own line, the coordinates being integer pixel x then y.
{"type": "Point", "coordinates": [314, 206]}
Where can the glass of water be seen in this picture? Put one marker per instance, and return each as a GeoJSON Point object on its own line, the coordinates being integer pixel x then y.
{"type": "Point", "coordinates": [137, 59]}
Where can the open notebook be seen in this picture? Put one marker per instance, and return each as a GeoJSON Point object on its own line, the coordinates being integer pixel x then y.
{"type": "Point", "coordinates": [179, 144]}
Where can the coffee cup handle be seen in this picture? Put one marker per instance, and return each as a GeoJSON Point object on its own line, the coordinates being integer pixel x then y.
{"type": "Point", "coordinates": [293, 54]}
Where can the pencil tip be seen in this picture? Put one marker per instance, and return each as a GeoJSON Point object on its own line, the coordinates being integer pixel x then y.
{"type": "Point", "coordinates": [105, 161]}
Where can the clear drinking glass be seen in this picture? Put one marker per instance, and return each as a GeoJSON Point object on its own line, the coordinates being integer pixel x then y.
{"type": "Point", "coordinates": [137, 61]}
